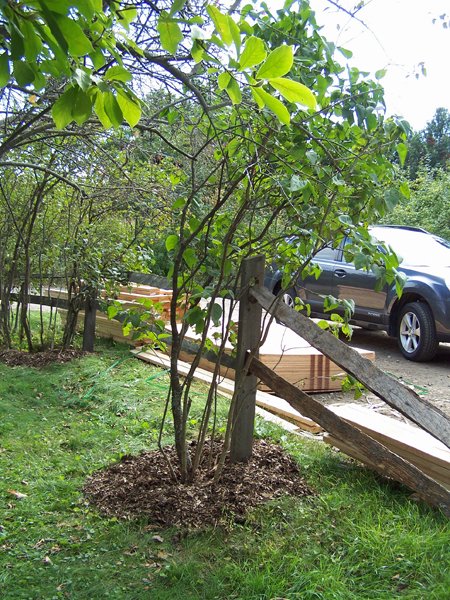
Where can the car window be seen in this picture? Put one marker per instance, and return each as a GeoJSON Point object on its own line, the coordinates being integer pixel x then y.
{"type": "Point", "coordinates": [416, 248]}
{"type": "Point", "coordinates": [326, 254]}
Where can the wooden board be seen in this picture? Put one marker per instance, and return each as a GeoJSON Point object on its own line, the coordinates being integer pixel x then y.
{"type": "Point", "coordinates": [269, 402]}
{"type": "Point", "coordinates": [283, 350]}
{"type": "Point", "coordinates": [389, 389]}
{"type": "Point", "coordinates": [408, 441]}
{"type": "Point", "coordinates": [291, 357]}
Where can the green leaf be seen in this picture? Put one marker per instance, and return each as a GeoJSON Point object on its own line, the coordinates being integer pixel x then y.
{"type": "Point", "coordinates": [88, 8]}
{"type": "Point", "coordinates": [4, 69]}
{"type": "Point", "coordinates": [177, 5]}
{"type": "Point", "coordinates": [197, 51]}
{"type": "Point", "coordinates": [234, 91]}
{"type": "Point", "coordinates": [294, 91]}
{"type": "Point", "coordinates": [277, 64]}
{"type": "Point", "coordinates": [179, 203]}
{"type": "Point", "coordinates": [23, 73]}
{"type": "Point", "coordinates": [99, 107]}
{"type": "Point", "coordinates": [189, 257]}
{"type": "Point", "coordinates": [112, 311]}
{"type": "Point", "coordinates": [221, 23]}
{"type": "Point", "coordinates": [78, 43]}
{"type": "Point", "coordinates": [171, 242]}
{"type": "Point", "coordinates": [169, 33]}
{"type": "Point", "coordinates": [274, 105]}
{"type": "Point", "coordinates": [57, 6]}
{"type": "Point", "coordinates": [112, 109]}
{"type": "Point", "coordinates": [402, 151]}
{"type": "Point", "coordinates": [98, 60]}
{"type": "Point", "coordinates": [195, 316]}
{"type": "Point", "coordinates": [253, 54]}
{"type": "Point", "coordinates": [62, 109]}
{"type": "Point", "coordinates": [235, 33]}
{"type": "Point", "coordinates": [194, 223]}
{"type": "Point", "coordinates": [297, 183]}
{"type": "Point", "coordinates": [32, 42]}
{"type": "Point", "coordinates": [82, 107]}
{"type": "Point", "coordinates": [312, 156]}
{"type": "Point", "coordinates": [82, 78]}
{"type": "Point", "coordinates": [216, 314]}
{"type": "Point", "coordinates": [118, 73]}
{"type": "Point", "coordinates": [127, 15]}
{"type": "Point", "coordinates": [404, 190]}
{"type": "Point", "coordinates": [391, 198]}
{"type": "Point", "coordinates": [17, 48]}
{"type": "Point", "coordinates": [345, 52]}
{"type": "Point", "coordinates": [380, 73]}
{"type": "Point", "coordinates": [130, 107]}
{"type": "Point", "coordinates": [60, 47]}
{"type": "Point", "coordinates": [223, 80]}
{"type": "Point", "coordinates": [257, 98]}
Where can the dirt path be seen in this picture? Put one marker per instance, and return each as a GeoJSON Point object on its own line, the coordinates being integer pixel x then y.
{"type": "Point", "coordinates": [430, 380]}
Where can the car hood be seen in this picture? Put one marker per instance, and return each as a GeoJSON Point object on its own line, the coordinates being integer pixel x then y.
{"type": "Point", "coordinates": [436, 271]}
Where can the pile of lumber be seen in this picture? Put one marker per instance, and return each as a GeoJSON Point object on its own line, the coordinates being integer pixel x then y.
{"type": "Point", "coordinates": [291, 357]}
{"type": "Point", "coordinates": [132, 296]}
{"type": "Point", "coordinates": [408, 441]}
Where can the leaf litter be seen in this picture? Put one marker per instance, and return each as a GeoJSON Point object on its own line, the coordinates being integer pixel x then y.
{"type": "Point", "coordinates": [142, 487]}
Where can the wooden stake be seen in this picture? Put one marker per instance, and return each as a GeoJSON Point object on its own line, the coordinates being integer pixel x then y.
{"type": "Point", "coordinates": [249, 334]}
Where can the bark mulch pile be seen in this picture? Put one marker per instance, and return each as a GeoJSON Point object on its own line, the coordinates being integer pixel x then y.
{"type": "Point", "coordinates": [15, 358]}
{"type": "Point", "coordinates": [141, 486]}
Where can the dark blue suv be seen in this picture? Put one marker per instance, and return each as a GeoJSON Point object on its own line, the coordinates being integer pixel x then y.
{"type": "Point", "coordinates": [419, 318]}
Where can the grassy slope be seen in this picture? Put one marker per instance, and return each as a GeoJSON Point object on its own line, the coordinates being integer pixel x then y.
{"type": "Point", "coordinates": [359, 539]}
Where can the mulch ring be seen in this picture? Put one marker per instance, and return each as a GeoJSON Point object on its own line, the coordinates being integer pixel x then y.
{"type": "Point", "coordinates": [141, 486]}
{"type": "Point", "coordinates": [16, 358]}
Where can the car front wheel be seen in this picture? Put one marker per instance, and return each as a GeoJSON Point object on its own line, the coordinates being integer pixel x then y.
{"type": "Point", "coordinates": [416, 334]}
{"type": "Point", "coordinates": [289, 298]}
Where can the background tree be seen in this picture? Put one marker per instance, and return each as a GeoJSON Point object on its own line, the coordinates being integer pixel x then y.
{"type": "Point", "coordinates": [430, 148]}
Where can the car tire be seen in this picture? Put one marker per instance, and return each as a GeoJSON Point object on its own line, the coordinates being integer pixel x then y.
{"type": "Point", "coordinates": [416, 332]}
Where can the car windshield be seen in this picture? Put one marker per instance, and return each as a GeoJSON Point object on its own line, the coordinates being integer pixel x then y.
{"type": "Point", "coordinates": [416, 248]}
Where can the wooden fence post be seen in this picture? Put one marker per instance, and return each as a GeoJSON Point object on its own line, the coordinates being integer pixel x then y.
{"type": "Point", "coordinates": [90, 314]}
{"type": "Point", "coordinates": [249, 334]}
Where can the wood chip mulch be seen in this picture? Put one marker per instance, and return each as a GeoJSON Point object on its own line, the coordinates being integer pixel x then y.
{"type": "Point", "coordinates": [15, 358]}
{"type": "Point", "coordinates": [141, 486]}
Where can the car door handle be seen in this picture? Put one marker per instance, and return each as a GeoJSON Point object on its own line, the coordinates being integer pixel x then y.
{"type": "Point", "coordinates": [340, 273]}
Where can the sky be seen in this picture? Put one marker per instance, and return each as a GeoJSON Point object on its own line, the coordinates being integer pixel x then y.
{"type": "Point", "coordinates": [397, 35]}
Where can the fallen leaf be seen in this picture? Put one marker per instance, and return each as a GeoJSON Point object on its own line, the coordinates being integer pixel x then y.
{"type": "Point", "coordinates": [158, 538]}
{"type": "Point", "coordinates": [17, 495]}
{"type": "Point", "coordinates": [47, 561]}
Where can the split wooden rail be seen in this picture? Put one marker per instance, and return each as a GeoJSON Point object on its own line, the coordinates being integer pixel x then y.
{"type": "Point", "coordinates": [375, 453]}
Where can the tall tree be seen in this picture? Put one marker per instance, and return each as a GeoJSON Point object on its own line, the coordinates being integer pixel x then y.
{"type": "Point", "coordinates": [274, 136]}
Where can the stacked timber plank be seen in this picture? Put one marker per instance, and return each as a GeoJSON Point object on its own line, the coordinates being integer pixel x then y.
{"type": "Point", "coordinates": [129, 297]}
{"type": "Point", "coordinates": [284, 351]}
{"type": "Point", "coordinates": [291, 357]}
{"type": "Point", "coordinates": [415, 445]}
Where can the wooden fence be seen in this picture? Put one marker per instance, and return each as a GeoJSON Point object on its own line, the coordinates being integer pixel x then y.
{"type": "Point", "coordinates": [376, 454]}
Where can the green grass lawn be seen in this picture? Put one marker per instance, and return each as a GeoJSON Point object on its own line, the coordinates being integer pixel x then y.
{"type": "Point", "coordinates": [359, 538]}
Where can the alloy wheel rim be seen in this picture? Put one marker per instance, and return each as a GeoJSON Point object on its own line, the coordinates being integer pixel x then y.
{"type": "Point", "coordinates": [410, 332]}
{"type": "Point", "coordinates": [288, 300]}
